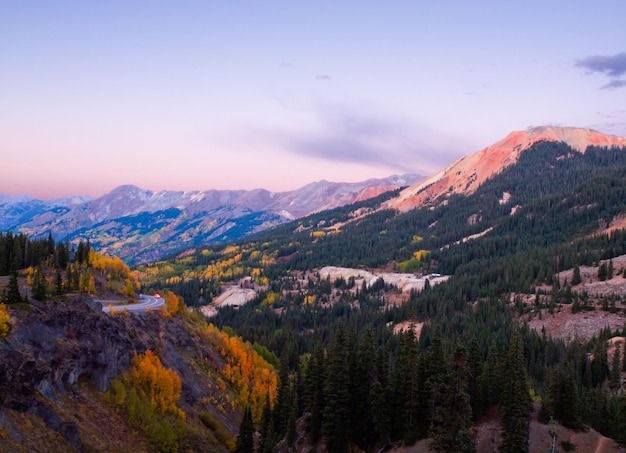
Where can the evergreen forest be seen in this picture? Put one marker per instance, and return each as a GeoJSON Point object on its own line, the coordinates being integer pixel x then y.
{"type": "Point", "coordinates": [356, 382]}
{"type": "Point", "coordinates": [468, 351]}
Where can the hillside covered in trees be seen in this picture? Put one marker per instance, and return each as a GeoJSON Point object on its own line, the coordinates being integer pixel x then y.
{"type": "Point", "coordinates": [73, 378]}
{"type": "Point", "coordinates": [349, 366]}
{"type": "Point", "coordinates": [357, 383]}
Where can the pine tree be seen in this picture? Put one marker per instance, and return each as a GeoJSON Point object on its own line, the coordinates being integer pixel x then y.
{"type": "Point", "coordinates": [515, 401]}
{"type": "Point", "coordinates": [61, 255]}
{"type": "Point", "coordinates": [282, 407]}
{"type": "Point", "coordinates": [435, 369]}
{"type": "Point", "coordinates": [245, 439]}
{"type": "Point", "coordinates": [618, 421]}
{"type": "Point", "coordinates": [474, 388]}
{"type": "Point", "coordinates": [565, 401]}
{"type": "Point", "coordinates": [266, 423]}
{"type": "Point", "coordinates": [380, 412]}
{"type": "Point", "coordinates": [58, 283]}
{"type": "Point", "coordinates": [50, 241]}
{"type": "Point", "coordinates": [13, 296]}
{"type": "Point", "coordinates": [291, 423]}
{"type": "Point", "coordinates": [576, 280]}
{"type": "Point", "coordinates": [453, 415]}
{"type": "Point", "coordinates": [17, 258]}
{"type": "Point", "coordinates": [616, 374]}
{"type": "Point", "coordinates": [363, 373]}
{"type": "Point", "coordinates": [39, 287]}
{"type": "Point", "coordinates": [314, 392]}
{"type": "Point", "coordinates": [336, 422]}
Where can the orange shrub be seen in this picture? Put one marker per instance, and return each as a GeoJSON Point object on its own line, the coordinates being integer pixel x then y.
{"type": "Point", "coordinates": [252, 376]}
{"type": "Point", "coordinates": [160, 385]}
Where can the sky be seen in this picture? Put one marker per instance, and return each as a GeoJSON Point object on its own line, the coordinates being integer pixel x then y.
{"type": "Point", "coordinates": [200, 95]}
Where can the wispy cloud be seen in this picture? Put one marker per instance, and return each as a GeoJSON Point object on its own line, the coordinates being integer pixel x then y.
{"type": "Point", "coordinates": [322, 77]}
{"type": "Point", "coordinates": [611, 65]}
{"type": "Point", "coordinates": [353, 134]}
{"type": "Point", "coordinates": [614, 84]}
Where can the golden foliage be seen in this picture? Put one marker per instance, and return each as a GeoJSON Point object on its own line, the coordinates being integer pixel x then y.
{"type": "Point", "coordinates": [230, 249]}
{"type": "Point", "coordinates": [421, 254]}
{"type": "Point", "coordinates": [271, 298]}
{"type": "Point", "coordinates": [252, 376]}
{"type": "Point", "coordinates": [87, 282]}
{"type": "Point", "coordinates": [255, 255]}
{"type": "Point", "coordinates": [5, 321]}
{"type": "Point", "coordinates": [129, 289]}
{"type": "Point", "coordinates": [173, 303]}
{"type": "Point", "coordinates": [107, 265]}
{"type": "Point", "coordinates": [318, 234]}
{"type": "Point", "coordinates": [159, 385]}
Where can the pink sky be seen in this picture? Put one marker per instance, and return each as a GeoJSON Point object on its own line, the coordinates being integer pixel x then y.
{"type": "Point", "coordinates": [211, 95]}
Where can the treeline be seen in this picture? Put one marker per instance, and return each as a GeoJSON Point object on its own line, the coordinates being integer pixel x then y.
{"type": "Point", "coordinates": [52, 268]}
{"type": "Point", "coordinates": [18, 251]}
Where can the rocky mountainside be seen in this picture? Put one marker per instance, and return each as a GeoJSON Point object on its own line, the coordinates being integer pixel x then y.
{"type": "Point", "coordinates": [140, 225]}
{"type": "Point", "coordinates": [468, 173]}
{"type": "Point", "coordinates": [59, 358]}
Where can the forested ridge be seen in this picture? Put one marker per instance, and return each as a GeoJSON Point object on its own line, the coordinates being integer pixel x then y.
{"type": "Point", "coordinates": [360, 384]}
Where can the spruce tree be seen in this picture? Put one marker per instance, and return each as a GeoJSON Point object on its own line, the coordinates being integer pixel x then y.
{"type": "Point", "coordinates": [314, 381]}
{"type": "Point", "coordinates": [266, 422]}
{"type": "Point", "coordinates": [566, 409]}
{"type": "Point", "coordinates": [453, 415]}
{"type": "Point", "coordinates": [39, 287]}
{"type": "Point", "coordinates": [576, 280]}
{"type": "Point", "coordinates": [380, 412]}
{"type": "Point", "coordinates": [336, 422]}
{"type": "Point", "coordinates": [363, 373]}
{"type": "Point", "coordinates": [515, 401]}
{"type": "Point", "coordinates": [616, 371]}
{"type": "Point", "coordinates": [435, 370]}
{"type": "Point", "coordinates": [13, 296]}
{"type": "Point", "coordinates": [245, 439]}
{"type": "Point", "coordinates": [58, 283]}
{"type": "Point", "coordinates": [291, 423]}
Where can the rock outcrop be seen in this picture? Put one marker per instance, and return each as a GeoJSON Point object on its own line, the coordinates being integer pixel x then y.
{"type": "Point", "coordinates": [55, 347]}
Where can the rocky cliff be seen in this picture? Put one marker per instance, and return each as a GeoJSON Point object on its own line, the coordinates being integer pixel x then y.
{"type": "Point", "coordinates": [60, 357]}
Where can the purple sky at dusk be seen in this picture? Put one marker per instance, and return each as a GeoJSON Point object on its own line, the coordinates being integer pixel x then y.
{"type": "Point", "coordinates": [201, 95]}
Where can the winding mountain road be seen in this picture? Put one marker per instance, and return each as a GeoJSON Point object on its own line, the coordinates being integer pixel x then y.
{"type": "Point", "coordinates": [146, 303]}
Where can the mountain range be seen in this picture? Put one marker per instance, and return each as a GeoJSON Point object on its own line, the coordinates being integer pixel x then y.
{"type": "Point", "coordinates": [525, 240]}
{"type": "Point", "coordinates": [140, 225]}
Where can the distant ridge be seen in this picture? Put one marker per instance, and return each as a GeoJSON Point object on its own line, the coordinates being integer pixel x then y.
{"type": "Point", "coordinates": [141, 225]}
{"type": "Point", "coordinates": [468, 173]}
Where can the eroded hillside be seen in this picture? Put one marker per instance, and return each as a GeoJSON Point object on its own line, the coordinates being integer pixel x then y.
{"type": "Point", "coordinates": [60, 358]}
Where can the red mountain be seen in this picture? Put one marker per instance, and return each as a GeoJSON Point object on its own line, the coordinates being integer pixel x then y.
{"type": "Point", "coordinates": [465, 175]}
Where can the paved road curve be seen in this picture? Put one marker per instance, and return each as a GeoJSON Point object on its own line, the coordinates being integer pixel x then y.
{"type": "Point", "coordinates": [145, 303]}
